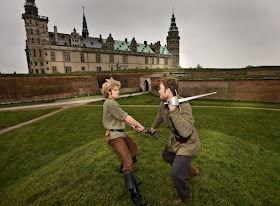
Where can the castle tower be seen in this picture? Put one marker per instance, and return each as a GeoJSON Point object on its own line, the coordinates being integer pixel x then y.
{"type": "Point", "coordinates": [36, 37]}
{"type": "Point", "coordinates": [133, 45]}
{"type": "Point", "coordinates": [85, 32]}
{"type": "Point", "coordinates": [110, 42]}
{"type": "Point", "coordinates": [173, 41]}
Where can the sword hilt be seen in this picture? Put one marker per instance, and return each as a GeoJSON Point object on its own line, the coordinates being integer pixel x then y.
{"type": "Point", "coordinates": [140, 132]}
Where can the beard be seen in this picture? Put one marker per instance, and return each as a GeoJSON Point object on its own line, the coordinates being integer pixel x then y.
{"type": "Point", "coordinates": [163, 97]}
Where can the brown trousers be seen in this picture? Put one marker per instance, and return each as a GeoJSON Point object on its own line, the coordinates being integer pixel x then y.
{"type": "Point", "coordinates": [126, 148]}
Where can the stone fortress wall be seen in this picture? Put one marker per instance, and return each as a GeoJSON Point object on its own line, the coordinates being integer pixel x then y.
{"type": "Point", "coordinates": [32, 88]}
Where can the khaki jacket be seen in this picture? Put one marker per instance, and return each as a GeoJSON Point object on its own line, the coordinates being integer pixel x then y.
{"type": "Point", "coordinates": [184, 123]}
{"type": "Point", "coordinates": [113, 118]}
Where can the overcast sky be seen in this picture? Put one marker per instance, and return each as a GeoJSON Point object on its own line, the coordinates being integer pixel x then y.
{"type": "Point", "coordinates": [214, 33]}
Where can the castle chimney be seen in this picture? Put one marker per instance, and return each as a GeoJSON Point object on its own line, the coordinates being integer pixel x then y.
{"type": "Point", "coordinates": [55, 34]}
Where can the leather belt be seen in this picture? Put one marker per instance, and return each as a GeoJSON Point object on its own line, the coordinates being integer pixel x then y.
{"type": "Point", "coordinates": [181, 140]}
{"type": "Point", "coordinates": [117, 130]}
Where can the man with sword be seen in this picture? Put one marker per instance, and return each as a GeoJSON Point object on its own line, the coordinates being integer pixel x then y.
{"type": "Point", "coordinates": [183, 139]}
{"type": "Point", "coordinates": [114, 120]}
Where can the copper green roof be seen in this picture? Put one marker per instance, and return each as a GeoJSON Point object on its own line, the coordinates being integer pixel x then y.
{"type": "Point", "coordinates": [144, 48]}
{"type": "Point", "coordinates": [173, 26]}
{"type": "Point", "coordinates": [121, 45]}
{"type": "Point", "coordinates": [164, 50]}
{"type": "Point", "coordinates": [125, 46]}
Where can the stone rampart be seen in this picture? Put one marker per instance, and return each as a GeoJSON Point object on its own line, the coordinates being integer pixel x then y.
{"type": "Point", "coordinates": [33, 88]}
{"type": "Point", "coordinates": [19, 89]}
{"type": "Point", "coordinates": [262, 90]}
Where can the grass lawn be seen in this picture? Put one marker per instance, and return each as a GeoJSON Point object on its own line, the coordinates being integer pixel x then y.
{"type": "Point", "coordinates": [64, 160]}
{"type": "Point", "coordinates": [25, 103]}
{"type": "Point", "coordinates": [11, 118]}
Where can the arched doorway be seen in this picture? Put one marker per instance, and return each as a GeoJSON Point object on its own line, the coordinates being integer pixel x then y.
{"type": "Point", "coordinates": [146, 86]}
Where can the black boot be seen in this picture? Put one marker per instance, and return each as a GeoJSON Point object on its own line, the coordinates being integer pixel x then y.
{"type": "Point", "coordinates": [136, 197]}
{"type": "Point", "coordinates": [131, 183]}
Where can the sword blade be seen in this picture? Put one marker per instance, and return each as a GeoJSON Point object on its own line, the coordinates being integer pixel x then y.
{"type": "Point", "coordinates": [153, 135]}
{"type": "Point", "coordinates": [195, 97]}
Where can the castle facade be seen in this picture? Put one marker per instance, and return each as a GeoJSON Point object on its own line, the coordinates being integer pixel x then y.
{"type": "Point", "coordinates": [53, 52]}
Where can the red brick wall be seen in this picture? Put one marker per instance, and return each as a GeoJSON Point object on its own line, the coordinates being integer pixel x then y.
{"type": "Point", "coordinates": [16, 89]}
{"type": "Point", "coordinates": [263, 90]}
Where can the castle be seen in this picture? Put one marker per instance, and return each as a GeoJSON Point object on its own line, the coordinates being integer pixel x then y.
{"type": "Point", "coordinates": [53, 52]}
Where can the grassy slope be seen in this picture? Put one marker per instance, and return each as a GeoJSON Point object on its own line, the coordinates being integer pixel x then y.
{"type": "Point", "coordinates": [72, 165]}
{"type": "Point", "coordinates": [11, 118]}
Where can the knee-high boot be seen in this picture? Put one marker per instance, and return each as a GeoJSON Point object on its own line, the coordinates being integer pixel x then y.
{"type": "Point", "coordinates": [131, 183]}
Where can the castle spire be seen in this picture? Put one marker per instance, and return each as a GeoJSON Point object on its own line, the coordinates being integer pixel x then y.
{"type": "Point", "coordinates": [85, 29]}
{"type": "Point", "coordinates": [173, 41]}
{"type": "Point", "coordinates": [173, 26]}
{"type": "Point", "coordinates": [30, 7]}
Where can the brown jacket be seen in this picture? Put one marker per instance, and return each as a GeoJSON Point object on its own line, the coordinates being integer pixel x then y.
{"type": "Point", "coordinates": [184, 123]}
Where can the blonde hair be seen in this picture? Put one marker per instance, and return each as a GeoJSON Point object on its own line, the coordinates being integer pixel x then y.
{"type": "Point", "coordinates": [109, 85]}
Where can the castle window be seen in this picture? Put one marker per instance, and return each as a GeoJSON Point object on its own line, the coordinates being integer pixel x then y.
{"type": "Point", "coordinates": [111, 58]}
{"type": "Point", "coordinates": [146, 60]}
{"type": "Point", "coordinates": [43, 71]}
{"type": "Point", "coordinates": [37, 71]}
{"type": "Point", "coordinates": [166, 61]}
{"type": "Point", "coordinates": [38, 33]}
{"type": "Point", "coordinates": [157, 60]}
{"type": "Point", "coordinates": [31, 31]}
{"type": "Point", "coordinates": [153, 61]}
{"type": "Point", "coordinates": [98, 59]}
{"type": "Point", "coordinates": [35, 63]}
{"type": "Point", "coordinates": [52, 55]}
{"type": "Point", "coordinates": [33, 41]}
{"type": "Point", "coordinates": [124, 59]}
{"type": "Point", "coordinates": [82, 57]}
{"type": "Point", "coordinates": [98, 69]}
{"type": "Point", "coordinates": [54, 70]}
{"type": "Point", "coordinates": [67, 56]}
{"type": "Point", "coordinates": [68, 69]}
{"type": "Point", "coordinates": [40, 53]}
{"type": "Point", "coordinates": [34, 52]}
{"type": "Point", "coordinates": [83, 68]}
{"type": "Point", "coordinates": [42, 64]}
{"type": "Point", "coordinates": [39, 42]}
{"type": "Point", "coordinates": [112, 68]}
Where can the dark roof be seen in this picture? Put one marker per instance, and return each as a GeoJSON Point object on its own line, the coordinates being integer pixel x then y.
{"type": "Point", "coordinates": [64, 40]}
